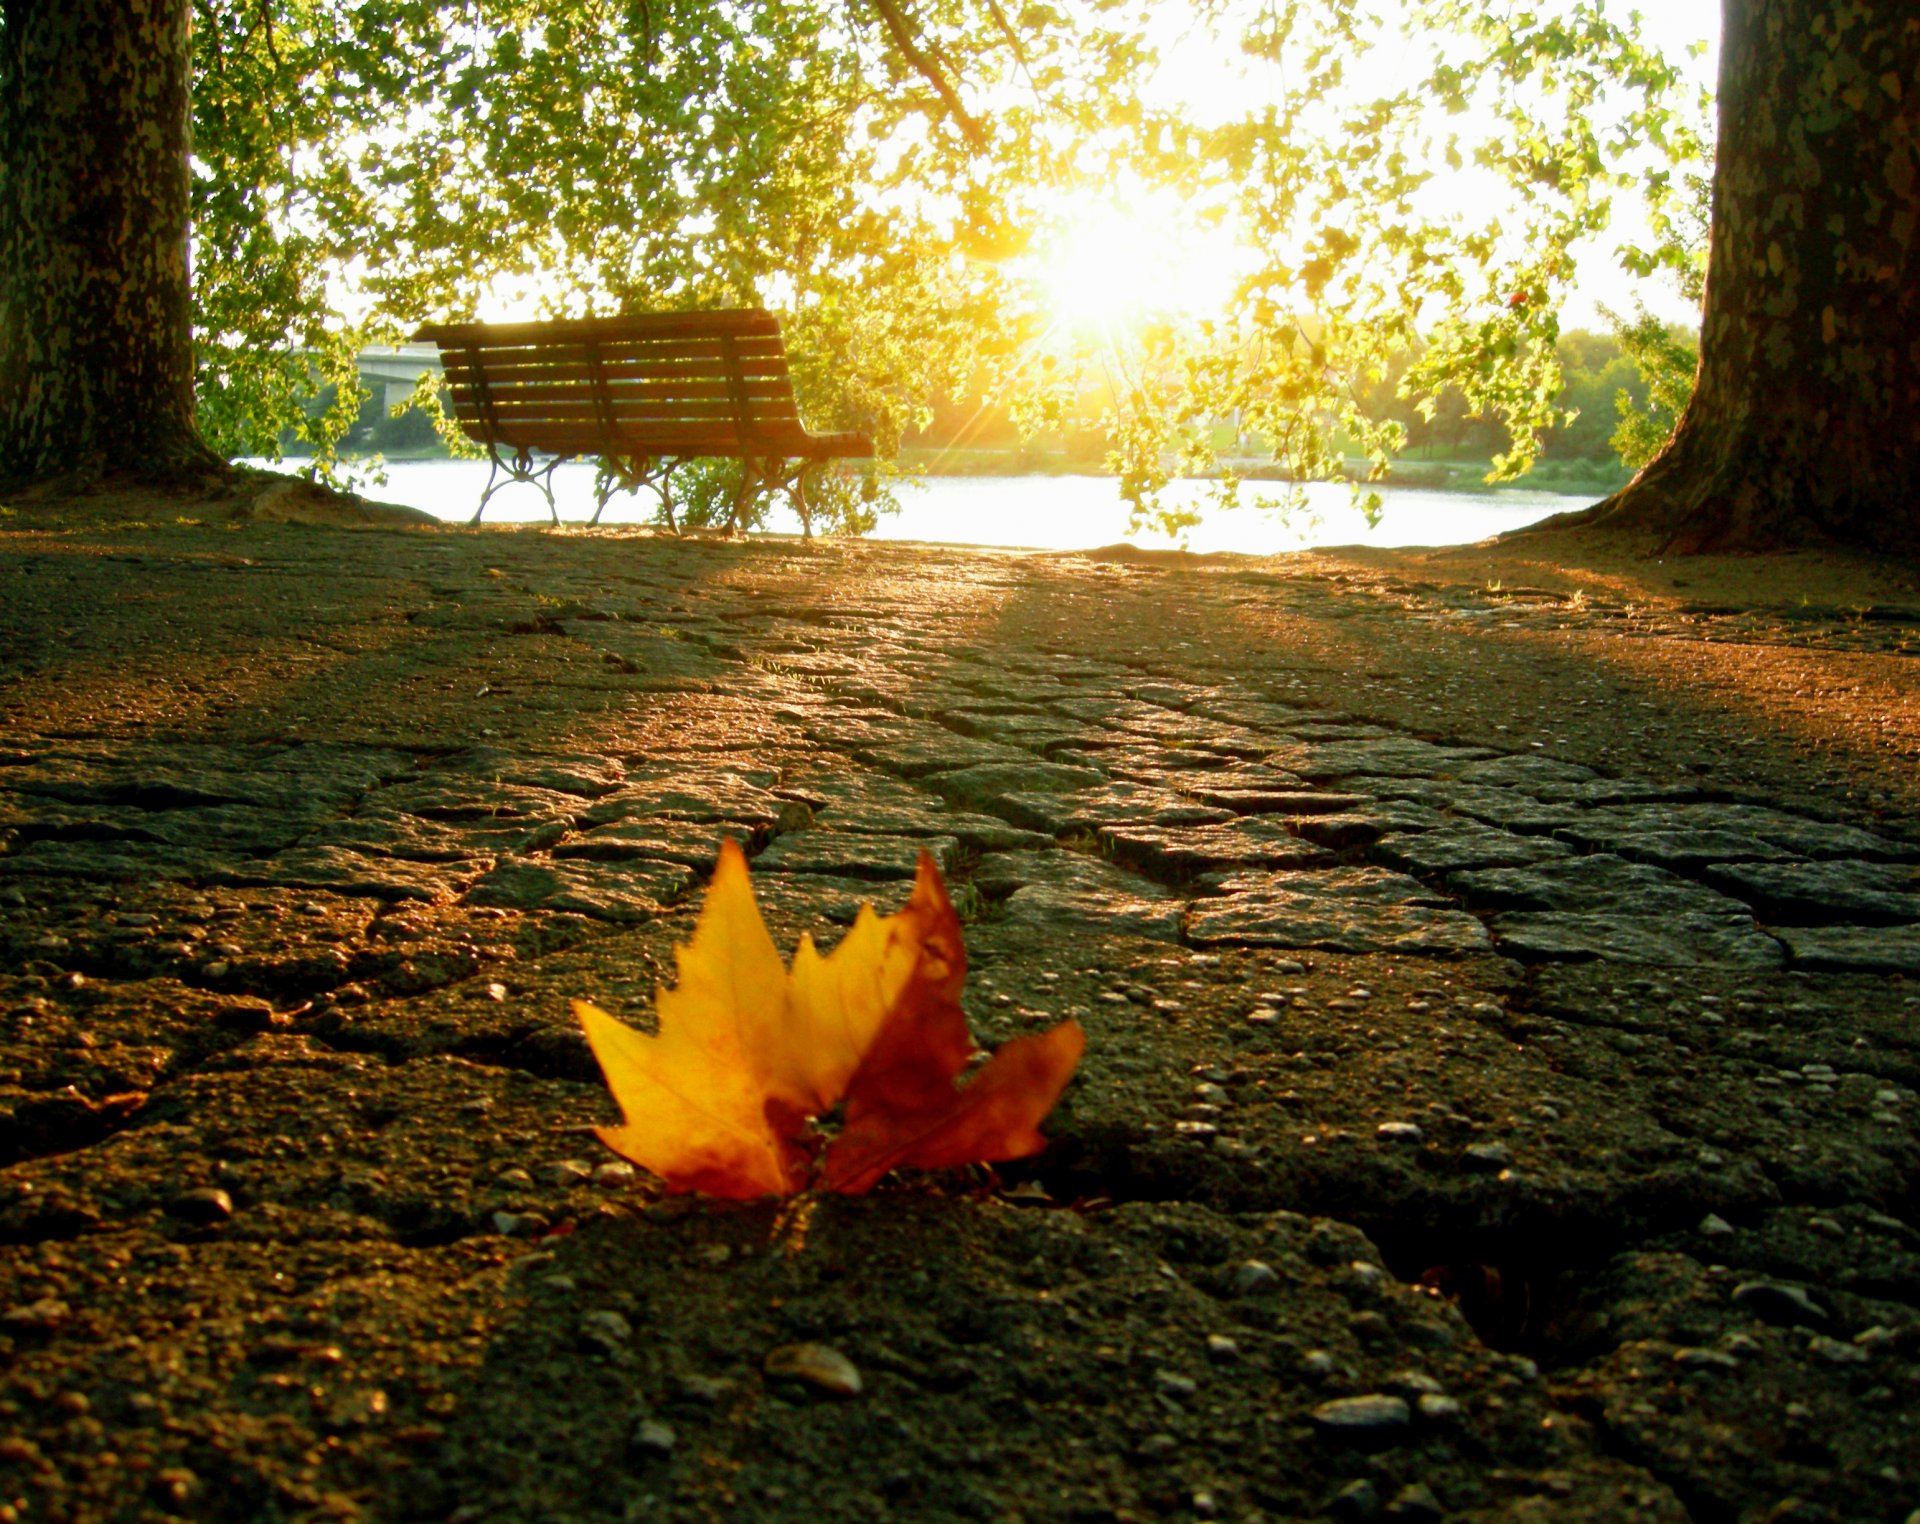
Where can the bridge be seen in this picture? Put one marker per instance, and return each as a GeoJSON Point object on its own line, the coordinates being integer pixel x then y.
{"type": "Point", "coordinates": [391, 371]}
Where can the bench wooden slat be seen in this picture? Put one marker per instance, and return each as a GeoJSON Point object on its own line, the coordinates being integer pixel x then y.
{"type": "Point", "coordinates": [622, 418]}
{"type": "Point", "coordinates": [757, 392]}
{"type": "Point", "coordinates": [681, 360]}
{"type": "Point", "coordinates": [682, 441]}
{"type": "Point", "coordinates": [735, 321]}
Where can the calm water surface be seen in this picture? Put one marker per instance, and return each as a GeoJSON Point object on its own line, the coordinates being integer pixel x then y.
{"type": "Point", "coordinates": [1040, 512]}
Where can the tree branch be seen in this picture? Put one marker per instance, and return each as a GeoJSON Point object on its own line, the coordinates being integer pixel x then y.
{"type": "Point", "coordinates": [928, 68]}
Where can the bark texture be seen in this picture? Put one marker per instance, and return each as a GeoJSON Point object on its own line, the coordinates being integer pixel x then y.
{"type": "Point", "coordinates": [96, 344]}
{"type": "Point", "coordinates": [1805, 418]}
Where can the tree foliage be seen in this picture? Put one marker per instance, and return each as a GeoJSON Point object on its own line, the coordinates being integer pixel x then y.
{"type": "Point", "coordinates": [882, 174]}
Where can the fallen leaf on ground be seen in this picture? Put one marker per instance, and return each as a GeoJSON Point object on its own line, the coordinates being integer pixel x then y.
{"type": "Point", "coordinates": [749, 1052]}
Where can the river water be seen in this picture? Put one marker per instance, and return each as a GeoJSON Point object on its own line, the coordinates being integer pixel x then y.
{"type": "Point", "coordinates": [1040, 512]}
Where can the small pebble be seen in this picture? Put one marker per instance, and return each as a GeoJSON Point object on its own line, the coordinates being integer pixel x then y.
{"type": "Point", "coordinates": [46, 1316]}
{"type": "Point", "coordinates": [1356, 1500]}
{"type": "Point", "coordinates": [1157, 1447]}
{"type": "Point", "coordinates": [1316, 1365]}
{"type": "Point", "coordinates": [606, 1329]}
{"type": "Point", "coordinates": [1489, 1158]}
{"type": "Point", "coordinates": [614, 1172]}
{"type": "Point", "coordinates": [1222, 1348]}
{"type": "Point", "coordinates": [820, 1366]}
{"type": "Point", "coordinates": [1694, 1359]}
{"type": "Point", "coordinates": [1715, 1226]}
{"type": "Point", "coordinates": [1835, 1353]}
{"type": "Point", "coordinates": [651, 1440]}
{"type": "Point", "coordinates": [1253, 1276]}
{"type": "Point", "coordinates": [565, 1172]}
{"type": "Point", "coordinates": [495, 991]}
{"type": "Point", "coordinates": [1374, 1421]}
{"type": "Point", "coordinates": [1415, 1502]}
{"type": "Point", "coordinates": [520, 1224]}
{"type": "Point", "coordinates": [1787, 1305]}
{"type": "Point", "coordinates": [1436, 1407]}
{"type": "Point", "coordinates": [1398, 1132]}
{"type": "Point", "coordinates": [705, 1391]}
{"type": "Point", "coordinates": [205, 1206]}
{"type": "Point", "coordinates": [1173, 1384]}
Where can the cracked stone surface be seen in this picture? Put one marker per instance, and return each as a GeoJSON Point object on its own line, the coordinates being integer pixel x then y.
{"type": "Point", "coordinates": [1502, 1097]}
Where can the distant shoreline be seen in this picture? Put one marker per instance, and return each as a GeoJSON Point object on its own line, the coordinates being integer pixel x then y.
{"type": "Point", "coordinates": [1573, 477]}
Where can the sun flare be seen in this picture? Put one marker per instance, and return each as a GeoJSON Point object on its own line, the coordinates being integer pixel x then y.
{"type": "Point", "coordinates": [1109, 269]}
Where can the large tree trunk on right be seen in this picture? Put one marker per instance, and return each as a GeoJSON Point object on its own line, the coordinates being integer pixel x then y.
{"type": "Point", "coordinates": [96, 344]}
{"type": "Point", "coordinates": [1805, 419]}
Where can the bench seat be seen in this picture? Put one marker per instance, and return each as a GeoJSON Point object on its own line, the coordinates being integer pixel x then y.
{"type": "Point", "coordinates": [643, 392]}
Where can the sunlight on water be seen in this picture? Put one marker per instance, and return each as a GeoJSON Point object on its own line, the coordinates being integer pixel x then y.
{"type": "Point", "coordinates": [1039, 512]}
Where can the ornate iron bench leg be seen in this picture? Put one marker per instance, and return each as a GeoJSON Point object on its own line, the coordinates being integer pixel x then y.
{"type": "Point", "coordinates": [608, 479]}
{"type": "Point", "coordinates": [499, 465]}
{"type": "Point", "coordinates": [545, 483]}
{"type": "Point", "coordinates": [798, 492]}
{"type": "Point", "coordinates": [753, 475]}
{"type": "Point", "coordinates": [663, 485]}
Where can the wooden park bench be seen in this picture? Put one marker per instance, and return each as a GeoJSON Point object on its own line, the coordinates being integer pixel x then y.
{"type": "Point", "coordinates": [644, 393]}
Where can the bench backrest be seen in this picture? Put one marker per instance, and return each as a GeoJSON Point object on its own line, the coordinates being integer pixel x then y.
{"type": "Point", "coordinates": [684, 383]}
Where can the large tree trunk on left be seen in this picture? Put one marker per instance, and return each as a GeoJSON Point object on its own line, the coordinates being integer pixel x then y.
{"type": "Point", "coordinates": [1805, 419]}
{"type": "Point", "coordinates": [96, 343]}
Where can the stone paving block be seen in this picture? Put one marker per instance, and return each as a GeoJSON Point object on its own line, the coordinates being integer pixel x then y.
{"type": "Point", "coordinates": [457, 799]}
{"type": "Point", "coordinates": [718, 796]}
{"type": "Point", "coordinates": [1258, 841]}
{"type": "Point", "coordinates": [1365, 824]}
{"type": "Point", "coordinates": [693, 844]}
{"type": "Point", "coordinates": [1277, 799]}
{"type": "Point", "coordinates": [1679, 938]}
{"type": "Point", "coordinates": [117, 860]}
{"type": "Point", "coordinates": [1509, 809]}
{"type": "Point", "coordinates": [796, 903]}
{"type": "Point", "coordinates": [562, 773]}
{"type": "Point", "coordinates": [1448, 848]}
{"type": "Point", "coordinates": [984, 833]}
{"type": "Point", "coordinates": [1067, 911]}
{"type": "Point", "coordinates": [625, 892]}
{"type": "Point", "coordinates": [1524, 770]}
{"type": "Point", "coordinates": [985, 787]}
{"type": "Point", "coordinates": [1792, 833]}
{"type": "Point", "coordinates": [1682, 851]}
{"type": "Point", "coordinates": [1359, 910]}
{"type": "Point", "coordinates": [1389, 756]}
{"type": "Point", "coordinates": [1824, 892]}
{"type": "Point", "coordinates": [1033, 732]}
{"type": "Point", "coordinates": [937, 751]}
{"type": "Point", "coordinates": [1602, 883]}
{"type": "Point", "coordinates": [1114, 804]}
{"type": "Point", "coordinates": [398, 834]}
{"type": "Point", "coordinates": [346, 872]}
{"type": "Point", "coordinates": [999, 874]}
{"type": "Point", "coordinates": [1853, 949]}
{"type": "Point", "coordinates": [853, 854]}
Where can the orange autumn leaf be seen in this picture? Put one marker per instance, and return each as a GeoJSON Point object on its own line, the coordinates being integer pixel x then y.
{"type": "Point", "coordinates": [902, 1107]}
{"type": "Point", "coordinates": [749, 1051]}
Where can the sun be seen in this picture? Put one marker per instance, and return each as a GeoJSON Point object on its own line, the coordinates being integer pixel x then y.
{"type": "Point", "coordinates": [1110, 268]}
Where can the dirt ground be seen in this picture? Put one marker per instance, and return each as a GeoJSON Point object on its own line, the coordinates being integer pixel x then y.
{"type": "Point", "coordinates": [1498, 962]}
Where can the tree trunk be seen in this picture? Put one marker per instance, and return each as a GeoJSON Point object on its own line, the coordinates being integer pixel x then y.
{"type": "Point", "coordinates": [1805, 418]}
{"type": "Point", "coordinates": [96, 343]}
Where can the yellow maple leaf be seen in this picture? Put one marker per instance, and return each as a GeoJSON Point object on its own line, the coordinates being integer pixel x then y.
{"type": "Point", "coordinates": [747, 1049]}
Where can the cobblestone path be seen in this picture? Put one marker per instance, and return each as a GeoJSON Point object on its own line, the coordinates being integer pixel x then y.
{"type": "Point", "coordinates": [1573, 1000]}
